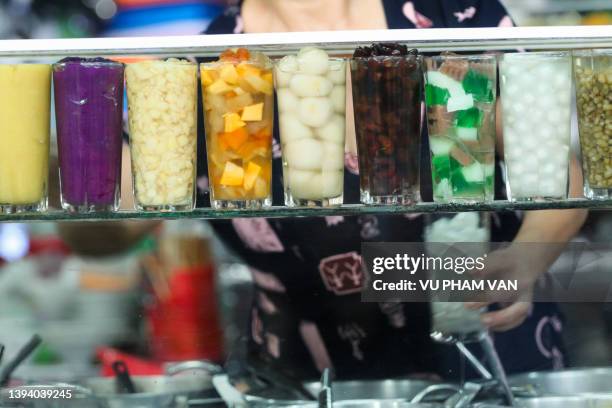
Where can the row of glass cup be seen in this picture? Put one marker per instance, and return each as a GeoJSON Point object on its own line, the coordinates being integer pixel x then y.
{"type": "Point", "coordinates": [460, 96]}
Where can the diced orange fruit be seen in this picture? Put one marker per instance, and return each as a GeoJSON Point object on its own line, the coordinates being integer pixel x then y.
{"type": "Point", "coordinates": [264, 133]}
{"type": "Point", "coordinates": [231, 94]}
{"type": "Point", "coordinates": [259, 84]}
{"type": "Point", "coordinates": [233, 122]}
{"type": "Point", "coordinates": [250, 176]}
{"type": "Point", "coordinates": [235, 54]}
{"type": "Point", "coordinates": [252, 113]}
{"type": "Point", "coordinates": [233, 175]}
{"type": "Point", "coordinates": [223, 145]}
{"type": "Point", "coordinates": [244, 68]}
{"type": "Point", "coordinates": [228, 74]}
{"type": "Point", "coordinates": [207, 78]}
{"type": "Point", "coordinates": [219, 87]}
{"type": "Point", "coordinates": [268, 77]}
{"type": "Point", "coordinates": [236, 138]}
{"type": "Point", "coordinates": [243, 54]}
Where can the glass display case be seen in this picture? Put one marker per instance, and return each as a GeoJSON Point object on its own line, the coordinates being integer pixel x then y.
{"type": "Point", "coordinates": [391, 393]}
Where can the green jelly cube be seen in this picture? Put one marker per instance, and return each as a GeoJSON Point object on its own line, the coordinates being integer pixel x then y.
{"type": "Point", "coordinates": [479, 86]}
{"type": "Point", "coordinates": [469, 118]}
{"type": "Point", "coordinates": [467, 180]}
{"type": "Point", "coordinates": [435, 95]}
{"type": "Point", "coordinates": [440, 167]}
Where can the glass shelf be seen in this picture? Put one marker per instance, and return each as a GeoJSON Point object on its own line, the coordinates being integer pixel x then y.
{"type": "Point", "coordinates": [283, 212]}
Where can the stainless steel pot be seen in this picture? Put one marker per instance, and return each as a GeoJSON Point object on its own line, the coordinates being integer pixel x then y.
{"type": "Point", "coordinates": [566, 382]}
{"type": "Point", "coordinates": [562, 402]}
{"type": "Point", "coordinates": [182, 383]}
{"type": "Point", "coordinates": [383, 389]}
{"type": "Point", "coordinates": [349, 394]}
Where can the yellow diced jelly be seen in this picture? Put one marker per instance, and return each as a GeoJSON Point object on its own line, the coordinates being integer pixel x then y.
{"type": "Point", "coordinates": [219, 87]}
{"type": "Point", "coordinates": [233, 122]}
{"type": "Point", "coordinates": [229, 74]}
{"type": "Point", "coordinates": [207, 79]}
{"type": "Point", "coordinates": [268, 77]}
{"type": "Point", "coordinates": [244, 68]}
{"type": "Point", "coordinates": [253, 113]}
{"type": "Point", "coordinates": [259, 84]}
{"type": "Point", "coordinates": [251, 175]}
{"type": "Point", "coordinates": [233, 175]}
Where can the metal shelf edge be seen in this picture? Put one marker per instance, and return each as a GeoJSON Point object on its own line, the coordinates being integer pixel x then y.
{"type": "Point", "coordinates": [282, 212]}
{"type": "Point", "coordinates": [336, 41]}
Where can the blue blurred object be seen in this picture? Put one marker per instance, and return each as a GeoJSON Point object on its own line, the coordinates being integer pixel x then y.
{"type": "Point", "coordinates": [14, 241]}
{"type": "Point", "coordinates": [175, 18]}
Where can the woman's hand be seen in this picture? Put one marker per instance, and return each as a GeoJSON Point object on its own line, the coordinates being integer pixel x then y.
{"type": "Point", "coordinates": [519, 262]}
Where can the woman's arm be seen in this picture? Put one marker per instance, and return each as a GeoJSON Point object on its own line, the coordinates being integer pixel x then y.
{"type": "Point", "coordinates": [546, 226]}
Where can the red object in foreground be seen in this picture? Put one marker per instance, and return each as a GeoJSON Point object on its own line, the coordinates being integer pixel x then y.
{"type": "Point", "coordinates": [184, 325]}
{"type": "Point", "coordinates": [136, 365]}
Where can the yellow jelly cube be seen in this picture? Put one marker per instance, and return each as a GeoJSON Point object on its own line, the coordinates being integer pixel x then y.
{"type": "Point", "coordinates": [244, 68]}
{"type": "Point", "coordinates": [207, 79]}
{"type": "Point", "coordinates": [259, 84]}
{"type": "Point", "coordinates": [219, 87]}
{"type": "Point", "coordinates": [251, 175]}
{"type": "Point", "coordinates": [229, 74]}
{"type": "Point", "coordinates": [233, 175]}
{"type": "Point", "coordinates": [233, 122]}
{"type": "Point", "coordinates": [268, 77]}
{"type": "Point", "coordinates": [253, 113]}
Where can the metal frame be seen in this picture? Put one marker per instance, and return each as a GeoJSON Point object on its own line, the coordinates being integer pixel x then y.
{"type": "Point", "coordinates": [336, 42]}
{"type": "Point", "coordinates": [339, 42]}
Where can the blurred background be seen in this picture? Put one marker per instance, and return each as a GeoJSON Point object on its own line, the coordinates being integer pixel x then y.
{"type": "Point", "coordinates": [178, 294]}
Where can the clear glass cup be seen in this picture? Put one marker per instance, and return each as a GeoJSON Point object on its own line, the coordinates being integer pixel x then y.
{"type": "Point", "coordinates": [452, 319]}
{"type": "Point", "coordinates": [460, 94]}
{"type": "Point", "coordinates": [89, 113]}
{"type": "Point", "coordinates": [25, 110]}
{"type": "Point", "coordinates": [536, 97]}
{"type": "Point", "coordinates": [593, 74]}
{"type": "Point", "coordinates": [311, 90]}
{"type": "Point", "coordinates": [239, 118]}
{"type": "Point", "coordinates": [387, 106]}
{"type": "Point", "coordinates": [162, 108]}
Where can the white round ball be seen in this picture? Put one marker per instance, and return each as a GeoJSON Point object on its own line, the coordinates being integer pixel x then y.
{"type": "Point", "coordinates": [332, 183]}
{"type": "Point", "coordinates": [304, 154]}
{"type": "Point", "coordinates": [313, 61]}
{"type": "Point", "coordinates": [338, 98]}
{"type": "Point", "coordinates": [310, 85]}
{"type": "Point", "coordinates": [289, 64]}
{"type": "Point", "coordinates": [291, 129]}
{"type": "Point", "coordinates": [337, 72]}
{"type": "Point", "coordinates": [302, 184]}
{"type": "Point", "coordinates": [287, 101]}
{"type": "Point", "coordinates": [282, 78]}
{"type": "Point", "coordinates": [314, 111]}
{"type": "Point", "coordinates": [334, 131]}
{"type": "Point", "coordinates": [333, 156]}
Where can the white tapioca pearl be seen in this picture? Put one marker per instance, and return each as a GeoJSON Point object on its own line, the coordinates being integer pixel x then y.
{"type": "Point", "coordinates": [333, 131]}
{"type": "Point", "coordinates": [304, 154]}
{"type": "Point", "coordinates": [287, 101]}
{"type": "Point", "coordinates": [337, 72]}
{"type": "Point", "coordinates": [338, 98]}
{"type": "Point", "coordinates": [289, 64]}
{"type": "Point", "coordinates": [299, 182]}
{"type": "Point", "coordinates": [332, 183]}
{"type": "Point", "coordinates": [314, 111]}
{"type": "Point", "coordinates": [310, 85]}
{"type": "Point", "coordinates": [282, 78]}
{"type": "Point", "coordinates": [313, 60]}
{"type": "Point", "coordinates": [291, 129]}
{"type": "Point", "coordinates": [333, 156]}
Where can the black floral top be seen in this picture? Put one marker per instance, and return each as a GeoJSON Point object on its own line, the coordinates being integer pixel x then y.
{"type": "Point", "coordinates": [307, 313]}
